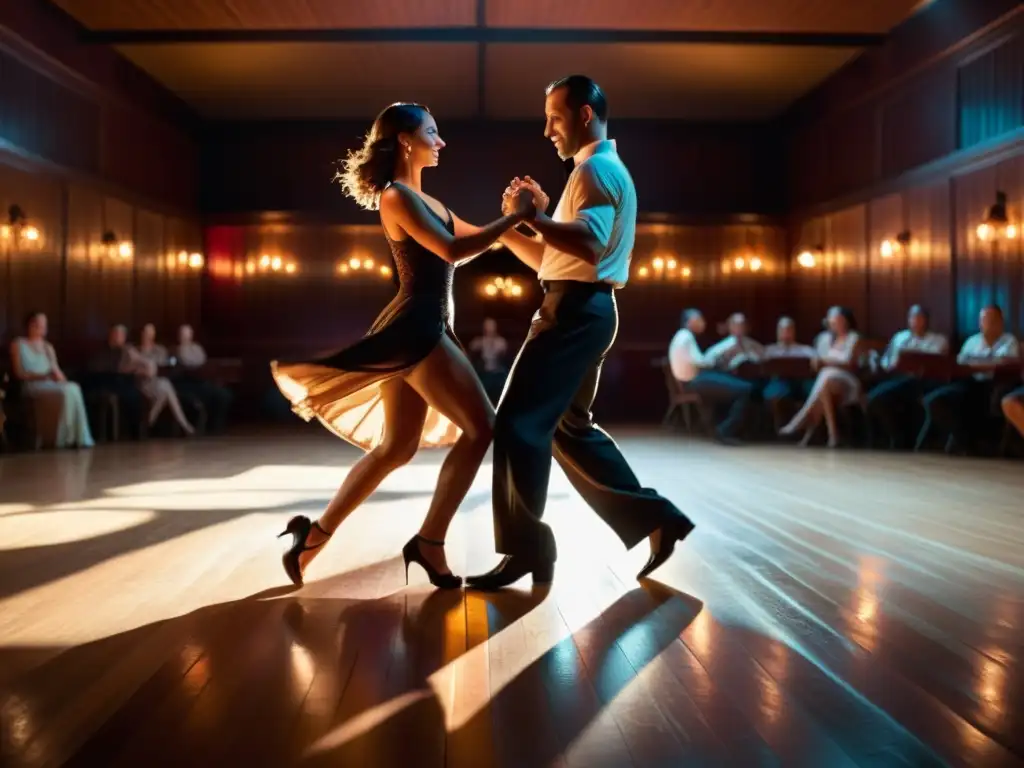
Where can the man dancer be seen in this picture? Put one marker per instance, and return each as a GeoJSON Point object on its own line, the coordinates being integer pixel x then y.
{"type": "Point", "coordinates": [582, 256]}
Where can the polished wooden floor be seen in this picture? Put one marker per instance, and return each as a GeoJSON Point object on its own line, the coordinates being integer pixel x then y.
{"type": "Point", "coordinates": [833, 609]}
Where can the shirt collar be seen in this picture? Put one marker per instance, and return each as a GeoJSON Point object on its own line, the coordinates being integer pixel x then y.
{"type": "Point", "coordinates": [593, 148]}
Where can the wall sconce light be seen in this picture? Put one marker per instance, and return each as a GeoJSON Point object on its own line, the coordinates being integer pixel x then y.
{"type": "Point", "coordinates": [996, 225]}
{"type": "Point", "coordinates": [17, 227]}
{"type": "Point", "coordinates": [269, 263]}
{"type": "Point", "coordinates": [809, 258]}
{"type": "Point", "coordinates": [361, 265]}
{"type": "Point", "coordinates": [662, 267]}
{"type": "Point", "coordinates": [120, 251]}
{"type": "Point", "coordinates": [890, 248]}
{"type": "Point", "coordinates": [502, 287]}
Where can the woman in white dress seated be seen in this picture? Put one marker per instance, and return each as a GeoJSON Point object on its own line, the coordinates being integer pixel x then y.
{"type": "Point", "coordinates": [58, 408]}
{"type": "Point", "coordinates": [836, 385]}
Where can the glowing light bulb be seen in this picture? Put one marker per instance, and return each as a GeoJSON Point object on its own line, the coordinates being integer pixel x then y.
{"type": "Point", "coordinates": [491, 289]}
{"type": "Point", "coordinates": [30, 233]}
{"type": "Point", "coordinates": [755, 264]}
{"type": "Point", "coordinates": [806, 260]}
{"type": "Point", "coordinates": [290, 268]}
{"type": "Point", "coordinates": [195, 261]}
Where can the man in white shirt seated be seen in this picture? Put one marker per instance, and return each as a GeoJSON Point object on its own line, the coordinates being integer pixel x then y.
{"type": "Point", "coordinates": [694, 371]}
{"type": "Point", "coordinates": [736, 348]}
{"type": "Point", "coordinates": [215, 397]}
{"type": "Point", "coordinates": [893, 399]}
{"type": "Point", "coordinates": [786, 346]}
{"type": "Point", "coordinates": [959, 408]}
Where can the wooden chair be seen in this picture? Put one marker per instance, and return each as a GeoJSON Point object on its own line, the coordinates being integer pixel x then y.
{"type": "Point", "coordinates": [680, 402]}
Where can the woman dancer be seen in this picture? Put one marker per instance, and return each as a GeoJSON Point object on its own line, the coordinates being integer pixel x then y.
{"type": "Point", "coordinates": [408, 382]}
{"type": "Point", "coordinates": [836, 384]}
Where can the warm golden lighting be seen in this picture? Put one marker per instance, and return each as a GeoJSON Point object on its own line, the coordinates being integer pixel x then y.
{"type": "Point", "coordinates": [670, 263]}
{"type": "Point", "coordinates": [343, 269]}
{"type": "Point", "coordinates": [1011, 231]}
{"type": "Point", "coordinates": [183, 258]}
{"type": "Point", "coordinates": [30, 233]}
{"type": "Point", "coordinates": [739, 262]}
{"type": "Point", "coordinates": [367, 263]}
{"type": "Point", "coordinates": [686, 272]}
{"type": "Point", "coordinates": [195, 261]}
{"type": "Point", "coordinates": [265, 261]}
{"type": "Point", "coordinates": [887, 249]}
{"type": "Point", "coordinates": [507, 287]}
{"type": "Point", "coordinates": [250, 267]}
{"type": "Point", "coordinates": [125, 249]}
{"type": "Point", "coordinates": [658, 263]}
{"type": "Point", "coordinates": [355, 263]}
{"type": "Point", "coordinates": [756, 264]}
{"type": "Point", "coordinates": [275, 263]}
{"type": "Point", "coordinates": [806, 260]}
{"type": "Point", "coordinates": [239, 271]}
{"type": "Point", "coordinates": [385, 271]}
{"type": "Point", "coordinates": [290, 268]}
{"type": "Point", "coordinates": [643, 271]}
{"type": "Point", "coordinates": [5, 232]}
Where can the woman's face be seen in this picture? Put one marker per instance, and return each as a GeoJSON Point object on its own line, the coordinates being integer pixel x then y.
{"type": "Point", "coordinates": [37, 328]}
{"type": "Point", "coordinates": [837, 323]}
{"type": "Point", "coordinates": [148, 334]}
{"type": "Point", "coordinates": [424, 145]}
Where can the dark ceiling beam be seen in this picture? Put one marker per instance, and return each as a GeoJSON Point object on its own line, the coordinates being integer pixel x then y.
{"type": "Point", "coordinates": [479, 34]}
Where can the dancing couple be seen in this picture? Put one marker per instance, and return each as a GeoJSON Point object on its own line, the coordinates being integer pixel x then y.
{"type": "Point", "coordinates": [409, 383]}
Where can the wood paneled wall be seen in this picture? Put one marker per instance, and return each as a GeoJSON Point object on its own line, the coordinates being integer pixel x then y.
{"type": "Point", "coordinates": [677, 167]}
{"type": "Point", "coordinates": [88, 111]}
{"type": "Point", "coordinates": [946, 267]}
{"type": "Point", "coordinates": [69, 273]}
{"type": "Point", "coordinates": [949, 79]}
{"type": "Point", "coordinates": [316, 308]}
{"type": "Point", "coordinates": [916, 136]}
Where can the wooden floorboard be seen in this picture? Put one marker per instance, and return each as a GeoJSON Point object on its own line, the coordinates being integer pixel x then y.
{"type": "Point", "coordinates": [832, 609]}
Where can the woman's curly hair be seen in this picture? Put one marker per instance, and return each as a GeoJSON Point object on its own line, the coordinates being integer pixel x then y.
{"type": "Point", "coordinates": [367, 171]}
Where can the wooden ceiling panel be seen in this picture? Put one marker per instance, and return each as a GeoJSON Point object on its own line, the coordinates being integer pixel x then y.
{"type": "Point", "coordinates": [269, 14]}
{"type": "Point", "coordinates": [313, 80]}
{"type": "Point", "coordinates": [685, 82]}
{"type": "Point", "coordinates": [833, 16]}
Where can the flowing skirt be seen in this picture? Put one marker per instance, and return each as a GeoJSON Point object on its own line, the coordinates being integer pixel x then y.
{"type": "Point", "coordinates": [58, 410]}
{"type": "Point", "coordinates": [343, 390]}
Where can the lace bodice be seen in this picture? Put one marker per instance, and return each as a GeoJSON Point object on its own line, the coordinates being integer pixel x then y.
{"type": "Point", "coordinates": [419, 270]}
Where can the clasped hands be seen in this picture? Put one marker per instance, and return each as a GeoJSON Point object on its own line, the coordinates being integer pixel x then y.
{"type": "Point", "coordinates": [524, 192]}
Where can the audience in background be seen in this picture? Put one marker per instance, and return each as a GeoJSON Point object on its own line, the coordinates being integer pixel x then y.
{"type": "Point", "coordinates": [121, 357]}
{"type": "Point", "coordinates": [149, 349]}
{"type": "Point", "coordinates": [959, 408]}
{"type": "Point", "coordinates": [786, 346]}
{"type": "Point", "coordinates": [489, 351]}
{"type": "Point", "coordinates": [716, 388]}
{"type": "Point", "coordinates": [59, 418]}
{"type": "Point", "coordinates": [892, 400]}
{"type": "Point", "coordinates": [838, 351]}
{"type": "Point", "coordinates": [189, 356]}
{"type": "Point", "coordinates": [736, 348]}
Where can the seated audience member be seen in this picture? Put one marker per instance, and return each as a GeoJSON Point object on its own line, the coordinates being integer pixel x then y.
{"type": "Point", "coordinates": [121, 357]}
{"type": "Point", "coordinates": [692, 369]}
{"type": "Point", "coordinates": [1013, 409]}
{"type": "Point", "coordinates": [786, 346]}
{"type": "Point", "coordinates": [58, 408]}
{"type": "Point", "coordinates": [957, 408]}
{"type": "Point", "coordinates": [216, 398]}
{"type": "Point", "coordinates": [489, 352]}
{"type": "Point", "coordinates": [836, 384]}
{"type": "Point", "coordinates": [736, 348]}
{"type": "Point", "coordinates": [105, 375]}
{"type": "Point", "coordinates": [149, 349]}
{"type": "Point", "coordinates": [902, 392]}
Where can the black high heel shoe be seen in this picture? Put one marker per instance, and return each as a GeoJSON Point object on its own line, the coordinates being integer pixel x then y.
{"type": "Point", "coordinates": [670, 536]}
{"type": "Point", "coordinates": [299, 527]}
{"type": "Point", "coordinates": [411, 554]}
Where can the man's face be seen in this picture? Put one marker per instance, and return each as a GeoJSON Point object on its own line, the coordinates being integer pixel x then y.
{"type": "Point", "coordinates": [991, 323]}
{"type": "Point", "coordinates": [563, 125]}
{"type": "Point", "coordinates": [117, 336]}
{"type": "Point", "coordinates": [785, 332]}
{"type": "Point", "coordinates": [185, 334]}
{"type": "Point", "coordinates": [917, 322]}
{"type": "Point", "coordinates": [738, 326]}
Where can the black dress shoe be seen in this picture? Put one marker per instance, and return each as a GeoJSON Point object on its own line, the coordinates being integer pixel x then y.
{"type": "Point", "coordinates": [510, 570]}
{"type": "Point", "coordinates": [669, 537]}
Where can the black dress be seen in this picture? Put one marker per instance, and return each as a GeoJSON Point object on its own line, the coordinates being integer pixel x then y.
{"type": "Point", "coordinates": [342, 390]}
